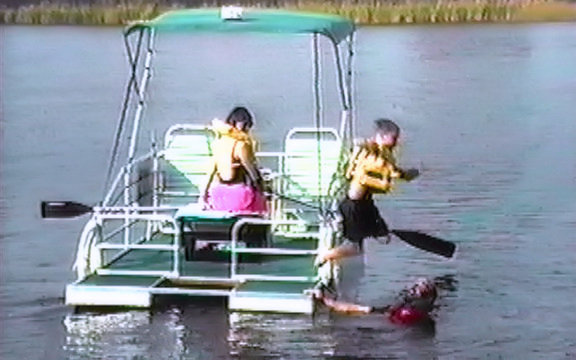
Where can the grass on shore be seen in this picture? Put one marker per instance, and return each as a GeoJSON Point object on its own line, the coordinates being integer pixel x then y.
{"type": "Point", "coordinates": [464, 11]}
{"type": "Point", "coordinates": [59, 14]}
{"type": "Point", "coordinates": [547, 11]}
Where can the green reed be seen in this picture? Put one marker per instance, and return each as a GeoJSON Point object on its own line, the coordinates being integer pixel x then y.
{"type": "Point", "coordinates": [375, 13]}
{"type": "Point", "coordinates": [423, 13]}
{"type": "Point", "coordinates": [56, 14]}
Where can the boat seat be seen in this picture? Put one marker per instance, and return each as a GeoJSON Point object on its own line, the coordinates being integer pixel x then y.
{"type": "Point", "coordinates": [310, 165]}
{"type": "Point", "coordinates": [210, 229]}
{"type": "Point", "coordinates": [187, 153]}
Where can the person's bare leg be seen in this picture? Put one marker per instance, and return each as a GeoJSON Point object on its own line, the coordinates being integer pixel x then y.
{"type": "Point", "coordinates": [338, 252]}
{"type": "Point", "coordinates": [345, 307]}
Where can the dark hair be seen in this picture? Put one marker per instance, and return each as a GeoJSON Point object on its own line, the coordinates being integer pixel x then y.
{"type": "Point", "coordinates": [386, 126]}
{"type": "Point", "coordinates": [240, 115]}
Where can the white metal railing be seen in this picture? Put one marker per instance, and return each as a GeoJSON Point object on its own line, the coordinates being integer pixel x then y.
{"type": "Point", "coordinates": [131, 216]}
{"type": "Point", "coordinates": [123, 175]}
{"type": "Point", "coordinates": [235, 250]}
{"type": "Point", "coordinates": [155, 215]}
{"type": "Point", "coordinates": [122, 187]}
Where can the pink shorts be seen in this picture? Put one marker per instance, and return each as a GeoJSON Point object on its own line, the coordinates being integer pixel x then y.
{"type": "Point", "coordinates": [237, 198]}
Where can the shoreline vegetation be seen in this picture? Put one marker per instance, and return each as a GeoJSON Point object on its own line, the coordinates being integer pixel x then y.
{"type": "Point", "coordinates": [371, 12]}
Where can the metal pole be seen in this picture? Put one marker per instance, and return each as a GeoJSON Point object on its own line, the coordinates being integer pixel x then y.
{"type": "Point", "coordinates": [317, 114]}
{"type": "Point", "coordinates": [141, 92]}
{"type": "Point", "coordinates": [349, 85]}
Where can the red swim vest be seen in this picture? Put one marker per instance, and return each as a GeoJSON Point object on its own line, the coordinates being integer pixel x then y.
{"type": "Point", "coordinates": [407, 315]}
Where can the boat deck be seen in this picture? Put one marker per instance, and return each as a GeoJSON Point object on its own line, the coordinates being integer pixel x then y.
{"type": "Point", "coordinates": [262, 281]}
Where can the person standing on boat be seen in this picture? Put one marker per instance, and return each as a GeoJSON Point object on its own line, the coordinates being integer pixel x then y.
{"type": "Point", "coordinates": [371, 170]}
{"type": "Point", "coordinates": [234, 183]}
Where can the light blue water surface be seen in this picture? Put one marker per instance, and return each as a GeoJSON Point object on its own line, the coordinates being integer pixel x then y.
{"type": "Point", "coordinates": [488, 114]}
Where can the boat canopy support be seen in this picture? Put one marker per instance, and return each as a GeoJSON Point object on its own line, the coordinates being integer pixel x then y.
{"type": "Point", "coordinates": [139, 43]}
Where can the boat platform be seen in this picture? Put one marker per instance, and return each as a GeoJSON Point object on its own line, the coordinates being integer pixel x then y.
{"type": "Point", "coordinates": [257, 270]}
{"type": "Point", "coordinates": [130, 291]}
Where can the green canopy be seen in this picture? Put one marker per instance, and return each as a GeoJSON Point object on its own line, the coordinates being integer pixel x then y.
{"type": "Point", "coordinates": [252, 20]}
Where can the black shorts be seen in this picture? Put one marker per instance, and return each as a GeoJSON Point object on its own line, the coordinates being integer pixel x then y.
{"type": "Point", "coordinates": [361, 219]}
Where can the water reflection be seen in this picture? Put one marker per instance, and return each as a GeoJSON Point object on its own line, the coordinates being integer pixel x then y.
{"type": "Point", "coordinates": [105, 335]}
{"type": "Point", "coordinates": [196, 328]}
{"type": "Point", "coordinates": [279, 336]}
{"type": "Point", "coordinates": [204, 329]}
{"type": "Point", "coordinates": [373, 336]}
{"type": "Point", "coordinates": [329, 335]}
{"type": "Point", "coordinates": [179, 329]}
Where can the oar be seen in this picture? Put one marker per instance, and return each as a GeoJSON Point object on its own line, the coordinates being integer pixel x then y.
{"type": "Point", "coordinates": [426, 242]}
{"type": "Point", "coordinates": [63, 209]}
{"type": "Point", "coordinates": [415, 238]}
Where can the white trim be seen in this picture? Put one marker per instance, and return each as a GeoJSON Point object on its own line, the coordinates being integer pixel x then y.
{"type": "Point", "coordinates": [134, 272]}
{"type": "Point", "coordinates": [83, 295]}
{"type": "Point", "coordinates": [258, 277]}
{"type": "Point", "coordinates": [276, 251]}
{"type": "Point", "coordinates": [107, 246]}
{"type": "Point", "coordinates": [251, 302]}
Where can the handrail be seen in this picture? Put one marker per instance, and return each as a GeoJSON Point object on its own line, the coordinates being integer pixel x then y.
{"type": "Point", "coordinates": [117, 231]}
{"type": "Point", "coordinates": [135, 246]}
{"type": "Point", "coordinates": [134, 214]}
{"type": "Point", "coordinates": [121, 174]}
{"type": "Point", "coordinates": [135, 210]}
{"type": "Point", "coordinates": [235, 232]}
{"type": "Point", "coordinates": [328, 130]}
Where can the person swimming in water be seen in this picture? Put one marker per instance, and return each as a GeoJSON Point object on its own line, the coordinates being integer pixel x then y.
{"type": "Point", "coordinates": [239, 186]}
{"type": "Point", "coordinates": [413, 307]}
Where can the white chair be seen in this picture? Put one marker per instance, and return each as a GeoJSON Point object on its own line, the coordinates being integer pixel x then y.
{"type": "Point", "coordinates": [308, 173]}
{"type": "Point", "coordinates": [187, 154]}
{"type": "Point", "coordinates": [311, 159]}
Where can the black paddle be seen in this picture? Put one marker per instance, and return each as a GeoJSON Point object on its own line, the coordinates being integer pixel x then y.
{"type": "Point", "coordinates": [63, 209]}
{"type": "Point", "coordinates": [415, 238]}
{"type": "Point", "coordinates": [426, 242]}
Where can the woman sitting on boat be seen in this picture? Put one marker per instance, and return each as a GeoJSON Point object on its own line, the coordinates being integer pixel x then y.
{"type": "Point", "coordinates": [234, 183]}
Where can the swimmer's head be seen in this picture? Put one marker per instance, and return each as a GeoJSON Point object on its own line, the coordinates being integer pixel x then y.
{"type": "Point", "coordinates": [423, 288]}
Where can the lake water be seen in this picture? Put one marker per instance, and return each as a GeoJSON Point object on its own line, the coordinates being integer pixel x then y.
{"type": "Point", "coordinates": [488, 115]}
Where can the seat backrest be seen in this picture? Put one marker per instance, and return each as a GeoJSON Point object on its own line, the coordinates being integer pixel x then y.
{"type": "Point", "coordinates": [187, 151]}
{"type": "Point", "coordinates": [311, 158]}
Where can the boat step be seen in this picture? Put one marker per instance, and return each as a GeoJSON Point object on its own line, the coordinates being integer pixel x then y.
{"type": "Point", "coordinates": [272, 296]}
{"type": "Point", "coordinates": [196, 286]}
{"type": "Point", "coordinates": [244, 295]}
{"type": "Point", "coordinates": [112, 290]}
{"type": "Point", "coordinates": [137, 291]}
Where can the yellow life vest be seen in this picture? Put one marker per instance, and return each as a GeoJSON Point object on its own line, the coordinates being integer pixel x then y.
{"type": "Point", "coordinates": [373, 167]}
{"type": "Point", "coordinates": [220, 128]}
{"type": "Point", "coordinates": [228, 138]}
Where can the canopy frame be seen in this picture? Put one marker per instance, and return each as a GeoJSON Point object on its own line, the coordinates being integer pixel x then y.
{"type": "Point", "coordinates": [248, 20]}
{"type": "Point", "coordinates": [142, 34]}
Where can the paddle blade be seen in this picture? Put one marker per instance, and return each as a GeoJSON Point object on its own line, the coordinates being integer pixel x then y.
{"type": "Point", "coordinates": [426, 242]}
{"type": "Point", "coordinates": [63, 209]}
